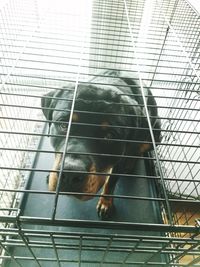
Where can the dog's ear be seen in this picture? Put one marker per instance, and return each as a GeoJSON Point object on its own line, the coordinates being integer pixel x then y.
{"type": "Point", "coordinates": [154, 119]}
{"type": "Point", "coordinates": [145, 134]}
{"type": "Point", "coordinates": [48, 103]}
{"type": "Point", "coordinates": [140, 127]}
{"type": "Point", "coordinates": [134, 115]}
{"type": "Point", "coordinates": [138, 120]}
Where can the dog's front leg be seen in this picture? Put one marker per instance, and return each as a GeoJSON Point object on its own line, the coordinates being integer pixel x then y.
{"type": "Point", "coordinates": [105, 204]}
{"type": "Point", "coordinates": [53, 176]}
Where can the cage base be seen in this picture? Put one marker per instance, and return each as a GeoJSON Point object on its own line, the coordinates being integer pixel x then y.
{"type": "Point", "coordinates": [126, 210]}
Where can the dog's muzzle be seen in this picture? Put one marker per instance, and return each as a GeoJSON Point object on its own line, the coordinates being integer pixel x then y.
{"type": "Point", "coordinates": [78, 175]}
{"type": "Point", "coordinates": [74, 174]}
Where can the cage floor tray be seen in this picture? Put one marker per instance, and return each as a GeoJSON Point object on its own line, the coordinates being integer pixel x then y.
{"type": "Point", "coordinates": [73, 253]}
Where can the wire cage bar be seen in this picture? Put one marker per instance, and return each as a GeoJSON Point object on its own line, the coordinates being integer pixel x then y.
{"type": "Point", "coordinates": [48, 46]}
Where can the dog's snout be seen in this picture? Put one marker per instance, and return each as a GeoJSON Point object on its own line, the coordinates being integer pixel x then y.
{"type": "Point", "coordinates": [73, 178]}
{"type": "Point", "coordinates": [74, 175]}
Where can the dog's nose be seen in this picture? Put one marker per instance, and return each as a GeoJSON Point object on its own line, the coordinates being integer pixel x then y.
{"type": "Point", "coordinates": [73, 176]}
{"type": "Point", "coordinates": [73, 179]}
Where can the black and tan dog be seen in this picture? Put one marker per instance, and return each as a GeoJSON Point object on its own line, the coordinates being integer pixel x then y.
{"type": "Point", "coordinates": [109, 130]}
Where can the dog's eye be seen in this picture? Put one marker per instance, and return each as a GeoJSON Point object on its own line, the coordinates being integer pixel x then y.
{"type": "Point", "coordinates": [63, 127]}
{"type": "Point", "coordinates": [110, 136]}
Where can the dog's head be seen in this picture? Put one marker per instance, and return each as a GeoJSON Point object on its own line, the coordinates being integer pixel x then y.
{"type": "Point", "coordinates": [102, 120]}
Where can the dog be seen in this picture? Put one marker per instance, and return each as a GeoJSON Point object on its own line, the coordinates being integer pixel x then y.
{"type": "Point", "coordinates": [106, 130]}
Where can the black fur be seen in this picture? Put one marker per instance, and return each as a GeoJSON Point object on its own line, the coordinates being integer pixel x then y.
{"type": "Point", "coordinates": [111, 97]}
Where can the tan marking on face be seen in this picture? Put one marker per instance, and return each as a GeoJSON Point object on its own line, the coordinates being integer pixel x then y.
{"type": "Point", "coordinates": [104, 125]}
{"type": "Point", "coordinates": [94, 182]}
{"type": "Point", "coordinates": [144, 147]}
{"type": "Point", "coordinates": [53, 176]}
{"type": "Point", "coordinates": [75, 117]}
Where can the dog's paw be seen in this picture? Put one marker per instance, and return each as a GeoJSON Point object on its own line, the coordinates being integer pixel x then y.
{"type": "Point", "coordinates": [105, 207]}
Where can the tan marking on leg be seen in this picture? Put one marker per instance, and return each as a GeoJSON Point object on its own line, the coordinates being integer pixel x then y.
{"type": "Point", "coordinates": [105, 202]}
{"type": "Point", "coordinates": [105, 187]}
{"type": "Point", "coordinates": [92, 184]}
{"type": "Point", "coordinates": [53, 176]}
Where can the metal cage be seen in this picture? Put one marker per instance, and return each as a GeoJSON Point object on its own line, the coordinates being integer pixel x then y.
{"type": "Point", "coordinates": [48, 44]}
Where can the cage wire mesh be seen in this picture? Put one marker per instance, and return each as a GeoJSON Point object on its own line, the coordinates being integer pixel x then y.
{"type": "Point", "coordinates": [46, 45]}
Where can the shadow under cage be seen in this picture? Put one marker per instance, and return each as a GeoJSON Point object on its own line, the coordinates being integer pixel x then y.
{"type": "Point", "coordinates": [47, 47]}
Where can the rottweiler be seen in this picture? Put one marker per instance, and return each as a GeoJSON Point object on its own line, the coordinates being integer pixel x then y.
{"type": "Point", "coordinates": [98, 133]}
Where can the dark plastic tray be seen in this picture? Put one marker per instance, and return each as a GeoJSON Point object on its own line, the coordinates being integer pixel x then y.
{"type": "Point", "coordinates": [127, 210]}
